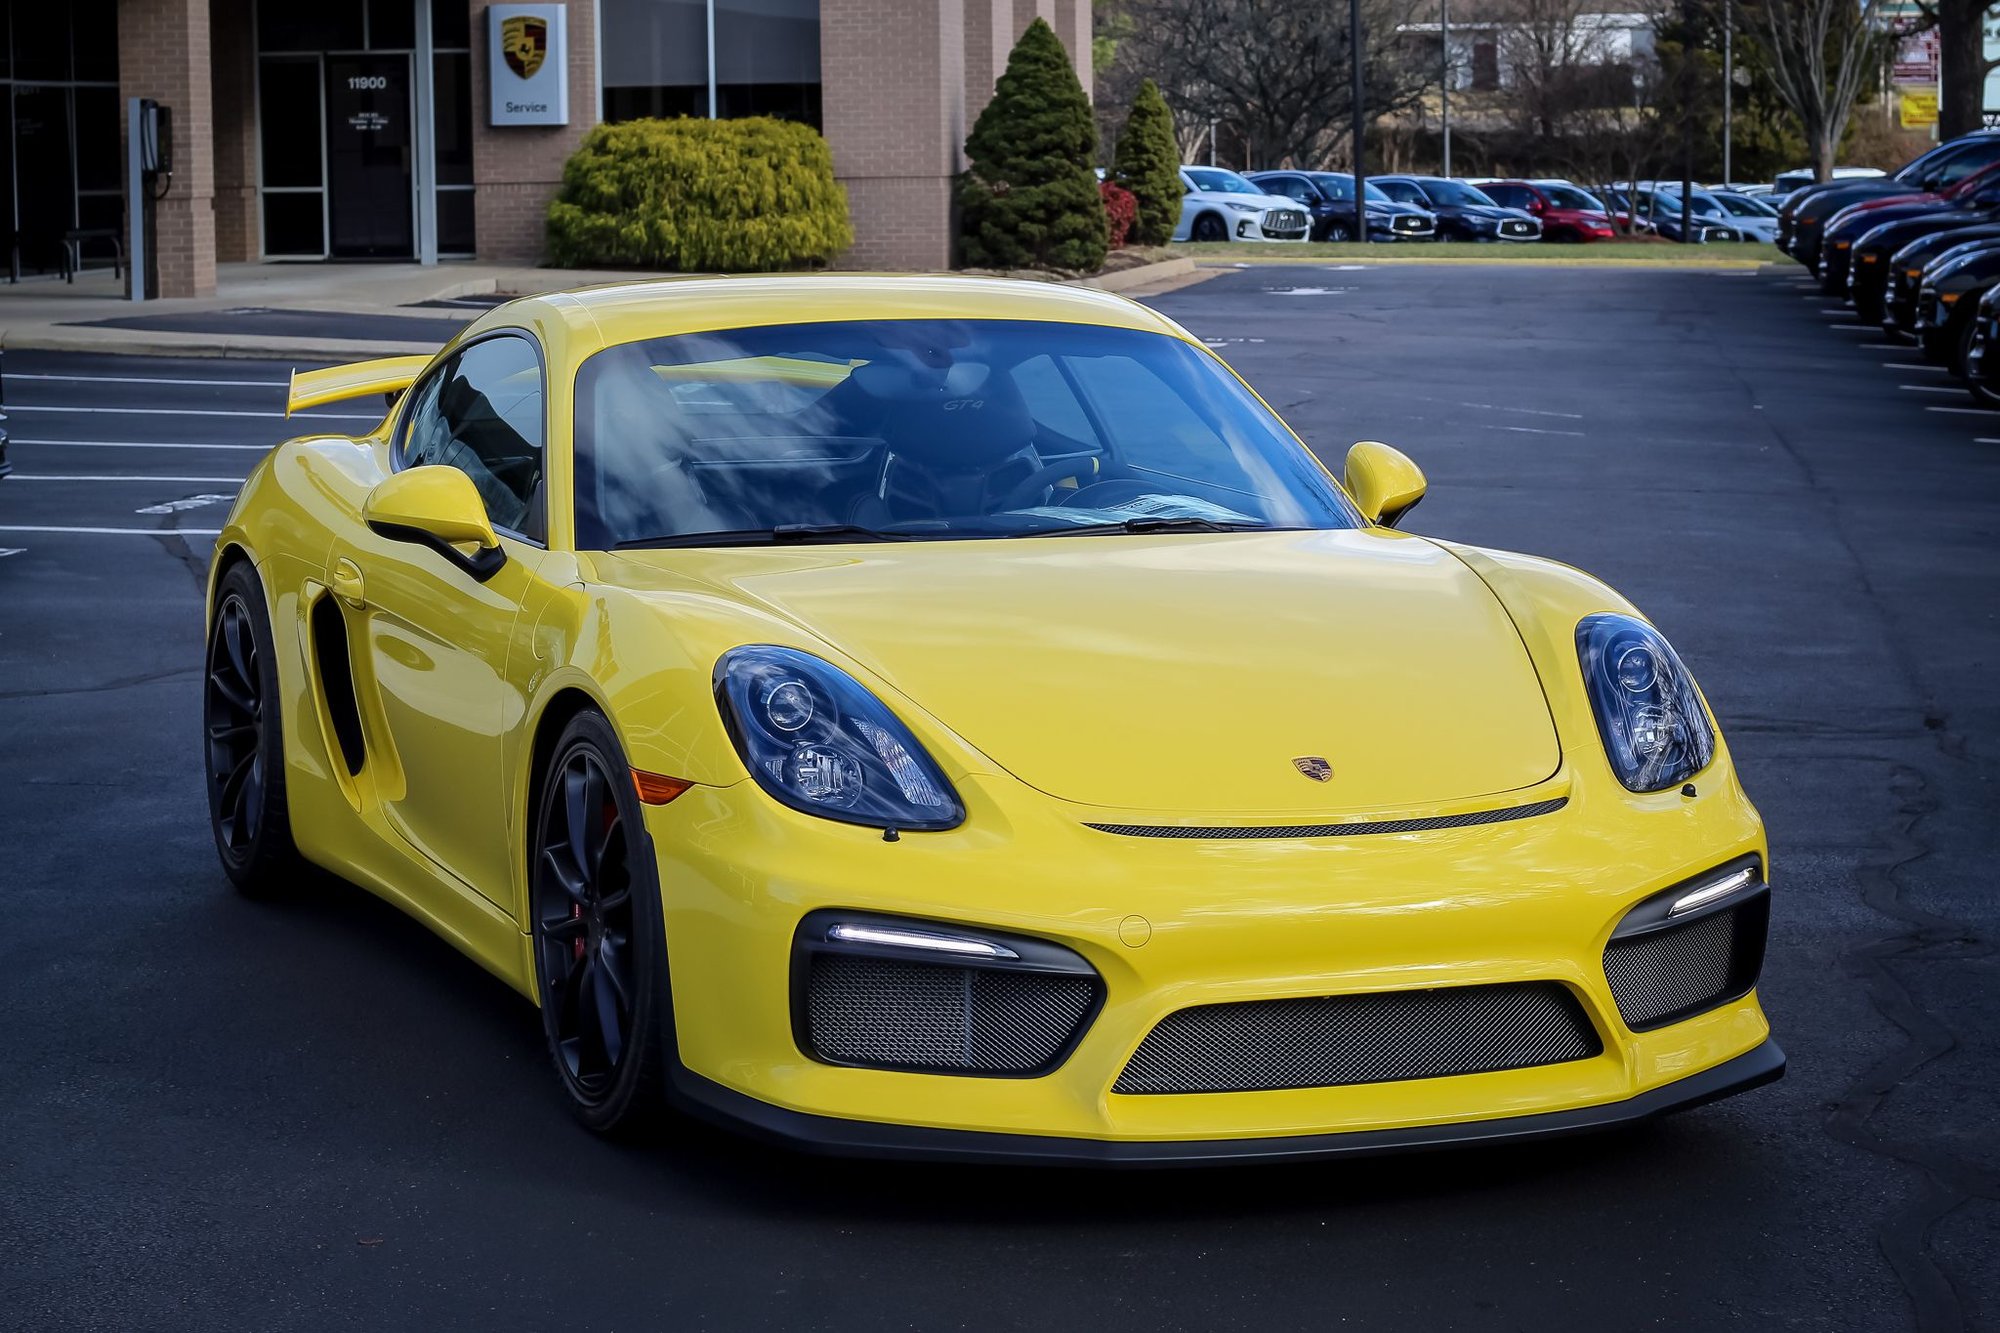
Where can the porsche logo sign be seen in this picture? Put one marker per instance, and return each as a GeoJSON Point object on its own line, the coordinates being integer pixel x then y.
{"type": "Point", "coordinates": [1313, 767]}
{"type": "Point", "coordinates": [524, 41]}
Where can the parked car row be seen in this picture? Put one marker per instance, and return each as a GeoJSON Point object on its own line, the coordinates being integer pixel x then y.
{"type": "Point", "coordinates": [1917, 251]}
{"type": "Point", "coordinates": [1223, 205]}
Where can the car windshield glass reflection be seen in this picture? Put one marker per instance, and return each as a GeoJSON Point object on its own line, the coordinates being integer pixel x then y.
{"type": "Point", "coordinates": [1457, 194]}
{"type": "Point", "coordinates": [1568, 196]}
{"type": "Point", "coordinates": [928, 429]}
{"type": "Point", "coordinates": [1341, 189]}
{"type": "Point", "coordinates": [1217, 181]}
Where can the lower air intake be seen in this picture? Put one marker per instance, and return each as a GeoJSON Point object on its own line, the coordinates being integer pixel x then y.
{"type": "Point", "coordinates": [1663, 976]}
{"type": "Point", "coordinates": [922, 1016]}
{"type": "Point", "coordinates": [1264, 1045]}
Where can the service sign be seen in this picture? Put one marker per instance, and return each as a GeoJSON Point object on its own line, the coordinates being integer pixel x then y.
{"type": "Point", "coordinates": [527, 62]}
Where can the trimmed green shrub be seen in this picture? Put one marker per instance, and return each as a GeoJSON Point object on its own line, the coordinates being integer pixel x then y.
{"type": "Point", "coordinates": [731, 196]}
{"type": "Point", "coordinates": [1148, 164]}
{"type": "Point", "coordinates": [1030, 199]}
{"type": "Point", "coordinates": [1120, 211]}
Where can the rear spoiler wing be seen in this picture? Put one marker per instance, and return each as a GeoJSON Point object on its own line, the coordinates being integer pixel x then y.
{"type": "Point", "coordinates": [390, 375]}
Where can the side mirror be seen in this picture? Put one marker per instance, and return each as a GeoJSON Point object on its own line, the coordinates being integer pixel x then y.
{"type": "Point", "coordinates": [437, 507]}
{"type": "Point", "coordinates": [1384, 482]}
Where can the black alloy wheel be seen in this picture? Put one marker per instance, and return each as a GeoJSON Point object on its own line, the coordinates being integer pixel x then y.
{"type": "Point", "coordinates": [243, 748]}
{"type": "Point", "coordinates": [1339, 230]}
{"type": "Point", "coordinates": [598, 939]}
{"type": "Point", "coordinates": [1210, 229]}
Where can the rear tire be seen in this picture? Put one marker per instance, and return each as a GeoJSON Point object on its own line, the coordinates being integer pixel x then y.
{"type": "Point", "coordinates": [600, 943]}
{"type": "Point", "coordinates": [243, 745]}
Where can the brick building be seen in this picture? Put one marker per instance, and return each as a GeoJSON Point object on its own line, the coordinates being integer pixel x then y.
{"type": "Point", "coordinates": [367, 129]}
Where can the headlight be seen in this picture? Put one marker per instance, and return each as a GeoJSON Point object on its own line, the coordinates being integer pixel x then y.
{"type": "Point", "coordinates": [1245, 208]}
{"type": "Point", "coordinates": [1655, 731]}
{"type": "Point", "coordinates": [815, 739]}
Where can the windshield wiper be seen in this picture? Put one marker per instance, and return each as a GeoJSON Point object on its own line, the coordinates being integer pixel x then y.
{"type": "Point", "coordinates": [1149, 523]}
{"type": "Point", "coordinates": [784, 534]}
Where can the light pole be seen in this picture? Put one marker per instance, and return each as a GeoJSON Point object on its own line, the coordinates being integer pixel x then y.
{"type": "Point", "coordinates": [1728, 83]}
{"type": "Point", "coordinates": [1444, 87]}
{"type": "Point", "coordinates": [1360, 128]}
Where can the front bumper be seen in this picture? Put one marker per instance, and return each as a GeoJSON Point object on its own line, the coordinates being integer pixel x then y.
{"type": "Point", "coordinates": [831, 1137]}
{"type": "Point", "coordinates": [1170, 924]}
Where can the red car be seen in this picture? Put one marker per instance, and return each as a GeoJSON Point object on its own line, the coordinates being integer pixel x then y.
{"type": "Point", "coordinates": [1568, 212]}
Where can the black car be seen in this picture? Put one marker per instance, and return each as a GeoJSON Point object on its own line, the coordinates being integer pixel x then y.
{"type": "Point", "coordinates": [1982, 350]}
{"type": "Point", "coordinates": [1328, 198]}
{"type": "Point", "coordinates": [1953, 284]}
{"type": "Point", "coordinates": [1838, 236]}
{"type": "Point", "coordinates": [1870, 259]}
{"type": "Point", "coordinates": [1906, 274]}
{"type": "Point", "coordinates": [1464, 212]}
{"type": "Point", "coordinates": [1806, 211]}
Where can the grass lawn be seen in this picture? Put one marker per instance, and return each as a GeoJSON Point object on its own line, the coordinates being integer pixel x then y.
{"type": "Point", "coordinates": [1733, 254]}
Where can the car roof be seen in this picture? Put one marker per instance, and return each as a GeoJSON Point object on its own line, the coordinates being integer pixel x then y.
{"type": "Point", "coordinates": [621, 312]}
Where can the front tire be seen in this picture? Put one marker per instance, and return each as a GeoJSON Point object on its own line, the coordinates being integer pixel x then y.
{"type": "Point", "coordinates": [1209, 230]}
{"type": "Point", "coordinates": [243, 748]}
{"type": "Point", "coordinates": [599, 937]}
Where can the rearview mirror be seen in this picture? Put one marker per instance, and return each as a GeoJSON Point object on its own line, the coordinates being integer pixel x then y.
{"type": "Point", "coordinates": [1384, 482]}
{"type": "Point", "coordinates": [437, 507]}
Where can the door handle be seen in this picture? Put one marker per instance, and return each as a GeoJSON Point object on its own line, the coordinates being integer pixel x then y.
{"type": "Point", "coordinates": [347, 583]}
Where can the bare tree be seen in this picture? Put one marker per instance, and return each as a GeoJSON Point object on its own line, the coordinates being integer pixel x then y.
{"type": "Point", "coordinates": [1276, 71]}
{"type": "Point", "coordinates": [1822, 53]}
{"type": "Point", "coordinates": [1556, 54]}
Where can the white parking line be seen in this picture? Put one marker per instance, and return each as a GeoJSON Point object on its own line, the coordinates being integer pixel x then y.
{"type": "Point", "coordinates": [1849, 326]}
{"type": "Point", "coordinates": [143, 379]}
{"type": "Point", "coordinates": [1897, 347]}
{"type": "Point", "coordinates": [134, 532]}
{"type": "Point", "coordinates": [6, 551]}
{"type": "Point", "coordinates": [201, 412]}
{"type": "Point", "coordinates": [139, 444]}
{"type": "Point", "coordinates": [1984, 439]}
{"type": "Point", "coordinates": [1931, 388]}
{"type": "Point", "coordinates": [1537, 430]}
{"type": "Point", "coordinates": [1924, 366]}
{"type": "Point", "coordinates": [191, 502]}
{"type": "Point", "coordinates": [1964, 411]}
{"type": "Point", "coordinates": [1525, 411]}
{"type": "Point", "coordinates": [123, 476]}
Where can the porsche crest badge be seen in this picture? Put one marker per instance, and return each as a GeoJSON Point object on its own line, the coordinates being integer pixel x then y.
{"type": "Point", "coordinates": [1313, 767]}
{"type": "Point", "coordinates": [524, 41]}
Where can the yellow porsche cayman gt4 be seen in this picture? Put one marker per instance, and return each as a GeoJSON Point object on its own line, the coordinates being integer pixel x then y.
{"type": "Point", "coordinates": [955, 717]}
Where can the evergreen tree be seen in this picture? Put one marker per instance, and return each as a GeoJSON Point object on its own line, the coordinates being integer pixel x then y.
{"type": "Point", "coordinates": [1031, 199]}
{"type": "Point", "coordinates": [1148, 164]}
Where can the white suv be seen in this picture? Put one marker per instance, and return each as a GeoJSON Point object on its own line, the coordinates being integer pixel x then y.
{"type": "Point", "coordinates": [1222, 206]}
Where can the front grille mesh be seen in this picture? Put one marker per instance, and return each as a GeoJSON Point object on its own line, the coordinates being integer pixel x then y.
{"type": "Point", "coordinates": [1331, 1041]}
{"type": "Point", "coordinates": [875, 1011]}
{"type": "Point", "coordinates": [1676, 971]}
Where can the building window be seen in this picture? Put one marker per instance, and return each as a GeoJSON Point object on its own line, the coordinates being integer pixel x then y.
{"type": "Point", "coordinates": [1485, 67]}
{"type": "Point", "coordinates": [59, 123]}
{"type": "Point", "coordinates": [655, 58]}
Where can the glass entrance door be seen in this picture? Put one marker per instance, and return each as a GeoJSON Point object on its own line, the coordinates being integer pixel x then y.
{"type": "Point", "coordinates": [370, 183]}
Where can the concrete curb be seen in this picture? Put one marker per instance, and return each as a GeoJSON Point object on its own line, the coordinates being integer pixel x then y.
{"type": "Point", "coordinates": [59, 336]}
{"type": "Point", "coordinates": [1473, 261]}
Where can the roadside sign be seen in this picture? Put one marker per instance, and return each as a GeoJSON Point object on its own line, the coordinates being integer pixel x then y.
{"type": "Point", "coordinates": [1917, 108]}
{"type": "Point", "coordinates": [1916, 61]}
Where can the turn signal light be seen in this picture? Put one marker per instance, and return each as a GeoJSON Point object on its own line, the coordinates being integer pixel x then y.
{"type": "Point", "coordinates": [657, 790]}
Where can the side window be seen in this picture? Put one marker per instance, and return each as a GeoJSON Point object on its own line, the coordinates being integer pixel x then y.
{"type": "Point", "coordinates": [482, 414]}
{"type": "Point", "coordinates": [1054, 407]}
{"type": "Point", "coordinates": [1140, 410]}
{"type": "Point", "coordinates": [1293, 187]}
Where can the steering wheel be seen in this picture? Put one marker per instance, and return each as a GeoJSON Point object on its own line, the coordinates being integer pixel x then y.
{"type": "Point", "coordinates": [1044, 477]}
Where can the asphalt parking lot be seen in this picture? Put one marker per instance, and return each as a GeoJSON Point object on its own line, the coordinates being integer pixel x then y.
{"type": "Point", "coordinates": [225, 1114]}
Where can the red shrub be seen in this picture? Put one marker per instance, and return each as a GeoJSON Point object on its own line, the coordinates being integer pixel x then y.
{"type": "Point", "coordinates": [1121, 210]}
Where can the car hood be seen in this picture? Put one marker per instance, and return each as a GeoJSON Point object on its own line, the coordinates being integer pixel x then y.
{"type": "Point", "coordinates": [1392, 209]}
{"type": "Point", "coordinates": [1173, 672]}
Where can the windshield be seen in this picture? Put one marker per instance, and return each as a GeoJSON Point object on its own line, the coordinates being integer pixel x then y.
{"type": "Point", "coordinates": [1743, 206]}
{"type": "Point", "coordinates": [1337, 188]}
{"type": "Point", "coordinates": [1457, 193]}
{"type": "Point", "coordinates": [931, 429]}
{"type": "Point", "coordinates": [1215, 180]}
{"type": "Point", "coordinates": [1568, 196]}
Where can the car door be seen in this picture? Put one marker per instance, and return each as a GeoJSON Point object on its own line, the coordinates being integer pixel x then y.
{"type": "Point", "coordinates": [438, 638]}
